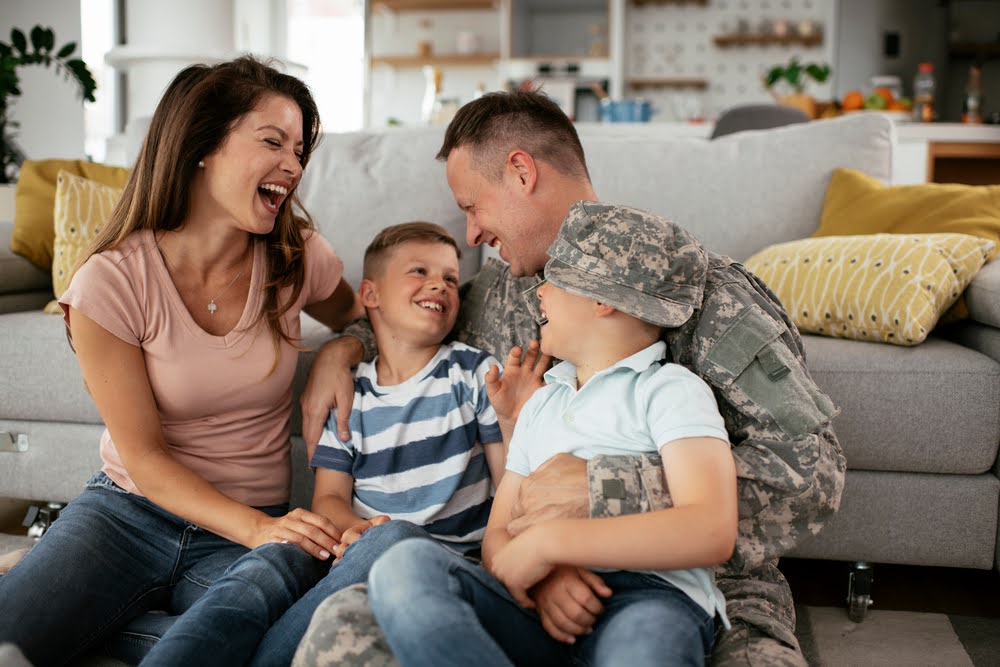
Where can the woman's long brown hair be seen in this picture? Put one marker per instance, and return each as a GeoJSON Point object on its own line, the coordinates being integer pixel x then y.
{"type": "Point", "coordinates": [193, 118]}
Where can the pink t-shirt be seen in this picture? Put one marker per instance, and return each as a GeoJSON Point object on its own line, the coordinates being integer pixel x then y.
{"type": "Point", "coordinates": [223, 416]}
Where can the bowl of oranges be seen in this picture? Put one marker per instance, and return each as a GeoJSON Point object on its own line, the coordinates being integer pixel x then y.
{"type": "Point", "coordinates": [882, 99]}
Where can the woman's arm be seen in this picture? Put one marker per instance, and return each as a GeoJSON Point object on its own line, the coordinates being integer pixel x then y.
{"type": "Point", "coordinates": [339, 309]}
{"type": "Point", "coordinates": [116, 376]}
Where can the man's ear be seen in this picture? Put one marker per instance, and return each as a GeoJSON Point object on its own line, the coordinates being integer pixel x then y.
{"type": "Point", "coordinates": [368, 293]}
{"type": "Point", "coordinates": [603, 309]}
{"type": "Point", "coordinates": [522, 166]}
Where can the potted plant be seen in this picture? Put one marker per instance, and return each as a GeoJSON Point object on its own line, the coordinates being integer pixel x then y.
{"type": "Point", "coordinates": [41, 50]}
{"type": "Point", "coordinates": [795, 76]}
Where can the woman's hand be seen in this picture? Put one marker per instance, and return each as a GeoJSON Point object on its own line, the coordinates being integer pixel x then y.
{"type": "Point", "coordinates": [313, 533]}
{"type": "Point", "coordinates": [568, 603]}
{"type": "Point", "coordinates": [330, 385]}
{"type": "Point", "coordinates": [352, 534]}
{"type": "Point", "coordinates": [508, 393]}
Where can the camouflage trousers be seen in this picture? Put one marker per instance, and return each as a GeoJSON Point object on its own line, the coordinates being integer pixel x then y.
{"type": "Point", "coordinates": [344, 633]}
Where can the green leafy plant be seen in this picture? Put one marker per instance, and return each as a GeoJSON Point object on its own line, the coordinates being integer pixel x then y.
{"type": "Point", "coordinates": [797, 75]}
{"type": "Point", "coordinates": [40, 50]}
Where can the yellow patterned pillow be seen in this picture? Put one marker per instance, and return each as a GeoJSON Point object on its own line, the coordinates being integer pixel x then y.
{"type": "Point", "coordinates": [876, 287]}
{"type": "Point", "coordinates": [33, 236]}
{"type": "Point", "coordinates": [82, 207]}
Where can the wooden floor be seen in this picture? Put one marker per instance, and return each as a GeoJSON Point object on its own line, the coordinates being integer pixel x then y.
{"type": "Point", "coordinates": [898, 587]}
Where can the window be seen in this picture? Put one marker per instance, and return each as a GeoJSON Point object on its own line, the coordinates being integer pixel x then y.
{"type": "Point", "coordinates": [327, 36]}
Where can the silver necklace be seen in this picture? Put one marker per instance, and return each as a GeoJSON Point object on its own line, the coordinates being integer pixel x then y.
{"type": "Point", "coordinates": [212, 306]}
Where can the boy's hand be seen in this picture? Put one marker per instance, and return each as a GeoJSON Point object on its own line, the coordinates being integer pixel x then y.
{"type": "Point", "coordinates": [330, 385]}
{"type": "Point", "coordinates": [352, 534]}
{"type": "Point", "coordinates": [519, 565]}
{"type": "Point", "coordinates": [313, 533]}
{"type": "Point", "coordinates": [567, 602]}
{"type": "Point", "coordinates": [520, 379]}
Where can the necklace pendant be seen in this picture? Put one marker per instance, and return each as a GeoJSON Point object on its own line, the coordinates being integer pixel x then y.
{"type": "Point", "coordinates": [212, 307]}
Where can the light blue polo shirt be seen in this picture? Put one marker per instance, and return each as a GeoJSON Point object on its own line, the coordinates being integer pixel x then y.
{"type": "Point", "coordinates": [634, 407]}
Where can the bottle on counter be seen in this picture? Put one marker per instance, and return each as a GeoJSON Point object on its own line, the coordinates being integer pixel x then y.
{"type": "Point", "coordinates": [923, 93]}
{"type": "Point", "coordinates": [972, 105]}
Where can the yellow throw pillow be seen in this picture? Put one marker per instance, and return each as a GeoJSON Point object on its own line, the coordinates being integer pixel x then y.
{"type": "Point", "coordinates": [858, 204]}
{"type": "Point", "coordinates": [875, 287]}
{"type": "Point", "coordinates": [82, 207]}
{"type": "Point", "coordinates": [34, 202]}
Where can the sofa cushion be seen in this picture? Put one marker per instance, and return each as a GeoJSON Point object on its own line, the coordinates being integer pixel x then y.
{"type": "Point", "coordinates": [858, 204]}
{"type": "Point", "coordinates": [82, 207]}
{"type": "Point", "coordinates": [359, 182]}
{"type": "Point", "coordinates": [742, 192]}
{"type": "Point", "coordinates": [891, 288]}
{"type": "Point", "coordinates": [34, 229]}
{"type": "Point", "coordinates": [929, 408]}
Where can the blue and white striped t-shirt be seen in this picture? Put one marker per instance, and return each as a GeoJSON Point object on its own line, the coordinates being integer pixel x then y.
{"type": "Point", "coordinates": [416, 448]}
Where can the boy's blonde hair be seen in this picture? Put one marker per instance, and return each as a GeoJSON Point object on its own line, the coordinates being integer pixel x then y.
{"type": "Point", "coordinates": [396, 235]}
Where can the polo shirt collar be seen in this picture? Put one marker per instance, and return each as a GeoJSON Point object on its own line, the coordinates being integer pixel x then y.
{"type": "Point", "coordinates": [565, 371]}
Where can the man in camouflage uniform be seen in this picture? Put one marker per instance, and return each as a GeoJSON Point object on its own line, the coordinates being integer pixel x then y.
{"type": "Point", "coordinates": [515, 165]}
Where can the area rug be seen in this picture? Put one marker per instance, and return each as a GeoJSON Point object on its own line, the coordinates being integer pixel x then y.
{"type": "Point", "coordinates": [906, 638]}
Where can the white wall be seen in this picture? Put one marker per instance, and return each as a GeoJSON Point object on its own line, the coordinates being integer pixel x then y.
{"type": "Point", "coordinates": [49, 109]}
{"type": "Point", "coordinates": [861, 26]}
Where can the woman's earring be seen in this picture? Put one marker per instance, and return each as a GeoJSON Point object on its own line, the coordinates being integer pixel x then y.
{"type": "Point", "coordinates": [201, 164]}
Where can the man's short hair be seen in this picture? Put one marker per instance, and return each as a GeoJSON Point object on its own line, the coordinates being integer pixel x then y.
{"type": "Point", "coordinates": [396, 235]}
{"type": "Point", "coordinates": [496, 123]}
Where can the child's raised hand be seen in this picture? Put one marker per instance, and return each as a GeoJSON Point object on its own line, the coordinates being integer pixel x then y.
{"type": "Point", "coordinates": [567, 602]}
{"type": "Point", "coordinates": [521, 377]}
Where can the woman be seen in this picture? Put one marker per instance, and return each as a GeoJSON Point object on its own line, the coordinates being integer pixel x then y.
{"type": "Point", "coordinates": [184, 318]}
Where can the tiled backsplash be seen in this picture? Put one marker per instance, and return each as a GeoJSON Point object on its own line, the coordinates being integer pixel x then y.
{"type": "Point", "coordinates": [677, 41]}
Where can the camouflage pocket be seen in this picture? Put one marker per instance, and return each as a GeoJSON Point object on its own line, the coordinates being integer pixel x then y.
{"type": "Point", "coordinates": [763, 378]}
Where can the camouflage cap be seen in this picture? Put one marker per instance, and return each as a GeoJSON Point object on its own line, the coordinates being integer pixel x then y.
{"type": "Point", "coordinates": [633, 260]}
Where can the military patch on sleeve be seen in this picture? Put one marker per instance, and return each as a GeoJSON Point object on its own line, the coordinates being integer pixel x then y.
{"type": "Point", "coordinates": [754, 367]}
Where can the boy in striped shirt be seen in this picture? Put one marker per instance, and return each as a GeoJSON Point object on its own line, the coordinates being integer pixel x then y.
{"type": "Point", "coordinates": [425, 450]}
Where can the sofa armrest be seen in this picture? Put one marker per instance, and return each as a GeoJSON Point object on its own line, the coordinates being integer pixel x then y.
{"type": "Point", "coordinates": [983, 295]}
{"type": "Point", "coordinates": [23, 286]}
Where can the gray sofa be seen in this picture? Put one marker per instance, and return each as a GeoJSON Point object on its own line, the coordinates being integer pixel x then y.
{"type": "Point", "coordinates": [920, 426]}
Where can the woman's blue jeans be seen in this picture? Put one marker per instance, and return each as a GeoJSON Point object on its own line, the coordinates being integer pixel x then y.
{"type": "Point", "coordinates": [267, 587]}
{"type": "Point", "coordinates": [438, 609]}
{"type": "Point", "coordinates": [109, 557]}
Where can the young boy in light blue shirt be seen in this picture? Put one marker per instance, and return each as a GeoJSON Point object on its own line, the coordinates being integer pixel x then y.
{"type": "Point", "coordinates": [603, 304]}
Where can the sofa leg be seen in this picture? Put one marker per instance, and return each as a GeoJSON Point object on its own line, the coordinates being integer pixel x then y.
{"type": "Point", "coordinates": [859, 590]}
{"type": "Point", "coordinates": [38, 519]}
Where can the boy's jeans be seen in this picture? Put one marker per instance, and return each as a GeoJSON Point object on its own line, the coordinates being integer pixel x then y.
{"type": "Point", "coordinates": [268, 587]}
{"type": "Point", "coordinates": [438, 609]}
{"type": "Point", "coordinates": [109, 557]}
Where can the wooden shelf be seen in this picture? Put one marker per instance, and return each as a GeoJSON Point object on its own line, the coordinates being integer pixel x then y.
{"type": "Point", "coordinates": [640, 3]}
{"type": "Point", "coordinates": [444, 60]}
{"type": "Point", "coordinates": [432, 5]}
{"type": "Point", "coordinates": [974, 49]}
{"type": "Point", "coordinates": [739, 39]}
{"type": "Point", "coordinates": [640, 84]}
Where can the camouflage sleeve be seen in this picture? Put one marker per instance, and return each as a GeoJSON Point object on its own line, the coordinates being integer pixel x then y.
{"type": "Point", "coordinates": [493, 316]}
{"type": "Point", "coordinates": [626, 485]}
{"type": "Point", "coordinates": [789, 464]}
{"type": "Point", "coordinates": [361, 329]}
